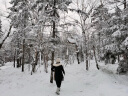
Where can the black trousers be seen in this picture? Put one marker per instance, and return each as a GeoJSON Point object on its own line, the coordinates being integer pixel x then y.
{"type": "Point", "coordinates": [58, 83]}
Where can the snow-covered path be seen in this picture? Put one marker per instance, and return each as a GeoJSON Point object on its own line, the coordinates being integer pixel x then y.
{"type": "Point", "coordinates": [77, 82]}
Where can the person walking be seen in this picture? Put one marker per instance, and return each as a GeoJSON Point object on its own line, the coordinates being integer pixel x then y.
{"type": "Point", "coordinates": [58, 74]}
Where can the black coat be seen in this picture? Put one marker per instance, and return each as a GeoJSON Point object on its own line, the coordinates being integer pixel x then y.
{"type": "Point", "coordinates": [59, 71]}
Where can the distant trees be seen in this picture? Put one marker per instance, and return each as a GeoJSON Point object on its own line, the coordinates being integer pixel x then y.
{"type": "Point", "coordinates": [84, 11]}
{"type": "Point", "coordinates": [38, 25]}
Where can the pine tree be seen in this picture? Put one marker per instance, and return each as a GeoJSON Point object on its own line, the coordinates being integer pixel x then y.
{"type": "Point", "coordinates": [19, 16]}
{"type": "Point", "coordinates": [99, 18]}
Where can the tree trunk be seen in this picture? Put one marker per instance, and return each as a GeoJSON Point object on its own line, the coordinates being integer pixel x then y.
{"type": "Point", "coordinates": [95, 58]}
{"type": "Point", "coordinates": [29, 59]}
{"type": "Point", "coordinates": [35, 62]}
{"type": "Point", "coordinates": [82, 55]}
{"type": "Point", "coordinates": [14, 58]}
{"type": "Point", "coordinates": [77, 54]}
{"type": "Point", "coordinates": [14, 61]}
{"type": "Point", "coordinates": [51, 77]}
{"type": "Point", "coordinates": [86, 59]}
{"type": "Point", "coordinates": [33, 67]}
{"type": "Point", "coordinates": [45, 63]}
{"type": "Point", "coordinates": [18, 65]}
{"type": "Point", "coordinates": [40, 57]}
{"type": "Point", "coordinates": [23, 55]}
{"type": "Point", "coordinates": [99, 51]}
{"type": "Point", "coordinates": [86, 51]}
{"type": "Point", "coordinates": [53, 35]}
{"type": "Point", "coordinates": [125, 4]}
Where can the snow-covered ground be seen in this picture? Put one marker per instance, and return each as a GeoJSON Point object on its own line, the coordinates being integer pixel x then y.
{"type": "Point", "coordinates": [77, 82]}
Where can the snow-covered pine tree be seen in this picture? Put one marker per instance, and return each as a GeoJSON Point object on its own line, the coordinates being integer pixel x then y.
{"type": "Point", "coordinates": [109, 30]}
{"type": "Point", "coordinates": [114, 34]}
{"type": "Point", "coordinates": [99, 19]}
{"type": "Point", "coordinates": [118, 28]}
{"type": "Point", "coordinates": [123, 64]}
{"type": "Point", "coordinates": [19, 16]}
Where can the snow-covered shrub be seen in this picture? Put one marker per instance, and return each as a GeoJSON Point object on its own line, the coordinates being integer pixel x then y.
{"type": "Point", "coordinates": [123, 67]}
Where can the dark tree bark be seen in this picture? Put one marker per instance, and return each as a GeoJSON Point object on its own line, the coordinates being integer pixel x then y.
{"type": "Point", "coordinates": [14, 58]}
{"type": "Point", "coordinates": [125, 4]}
{"type": "Point", "coordinates": [86, 50]}
{"type": "Point", "coordinates": [77, 54]}
{"type": "Point", "coordinates": [14, 62]}
{"type": "Point", "coordinates": [53, 35]}
{"type": "Point", "coordinates": [35, 62]}
{"type": "Point", "coordinates": [51, 77]}
{"type": "Point", "coordinates": [86, 59]}
{"type": "Point", "coordinates": [95, 58]}
{"type": "Point", "coordinates": [18, 63]}
{"type": "Point", "coordinates": [23, 55]}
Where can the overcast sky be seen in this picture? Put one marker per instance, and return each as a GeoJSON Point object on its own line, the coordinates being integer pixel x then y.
{"type": "Point", "coordinates": [4, 4]}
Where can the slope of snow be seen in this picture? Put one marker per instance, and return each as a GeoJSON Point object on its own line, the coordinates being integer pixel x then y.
{"type": "Point", "coordinates": [77, 82]}
{"type": "Point", "coordinates": [109, 68]}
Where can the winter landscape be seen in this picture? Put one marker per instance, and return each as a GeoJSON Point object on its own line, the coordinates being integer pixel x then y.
{"type": "Point", "coordinates": [64, 47]}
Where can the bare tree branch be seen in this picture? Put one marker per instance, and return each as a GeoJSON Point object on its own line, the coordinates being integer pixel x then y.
{"type": "Point", "coordinates": [6, 36]}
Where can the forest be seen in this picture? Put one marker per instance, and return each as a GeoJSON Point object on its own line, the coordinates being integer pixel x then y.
{"type": "Point", "coordinates": [89, 37]}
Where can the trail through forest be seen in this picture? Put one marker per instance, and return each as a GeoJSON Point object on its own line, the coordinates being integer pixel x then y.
{"type": "Point", "coordinates": [77, 82]}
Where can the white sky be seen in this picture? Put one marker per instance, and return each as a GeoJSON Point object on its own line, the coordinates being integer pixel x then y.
{"type": "Point", "coordinates": [4, 4]}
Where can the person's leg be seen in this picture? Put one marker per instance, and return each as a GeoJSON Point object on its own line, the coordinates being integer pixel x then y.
{"type": "Point", "coordinates": [58, 87]}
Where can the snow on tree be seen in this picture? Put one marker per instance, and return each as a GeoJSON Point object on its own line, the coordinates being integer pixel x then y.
{"type": "Point", "coordinates": [111, 29]}
{"type": "Point", "coordinates": [1, 33]}
{"type": "Point", "coordinates": [46, 16]}
{"type": "Point", "coordinates": [99, 19]}
{"type": "Point", "coordinates": [19, 16]}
